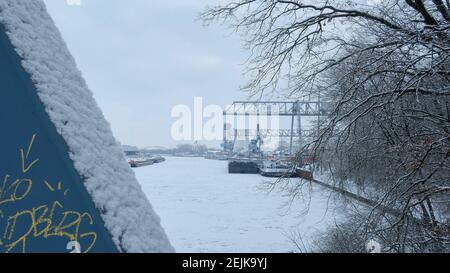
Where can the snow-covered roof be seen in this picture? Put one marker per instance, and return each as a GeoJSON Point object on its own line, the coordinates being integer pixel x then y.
{"type": "Point", "coordinates": [96, 154]}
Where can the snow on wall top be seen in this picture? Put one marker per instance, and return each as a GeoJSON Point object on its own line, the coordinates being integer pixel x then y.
{"type": "Point", "coordinates": [97, 156]}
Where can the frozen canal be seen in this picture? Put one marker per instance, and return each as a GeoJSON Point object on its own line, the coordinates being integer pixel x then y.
{"type": "Point", "coordinates": [205, 209]}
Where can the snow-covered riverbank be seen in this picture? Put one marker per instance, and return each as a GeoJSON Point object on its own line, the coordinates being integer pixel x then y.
{"type": "Point", "coordinates": [205, 209]}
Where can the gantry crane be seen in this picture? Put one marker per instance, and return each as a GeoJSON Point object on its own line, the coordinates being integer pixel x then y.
{"type": "Point", "coordinates": [294, 109]}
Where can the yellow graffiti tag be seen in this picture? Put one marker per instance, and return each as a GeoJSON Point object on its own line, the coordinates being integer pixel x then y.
{"type": "Point", "coordinates": [57, 188]}
{"type": "Point", "coordinates": [16, 191]}
{"type": "Point", "coordinates": [43, 221]}
{"type": "Point", "coordinates": [27, 167]}
{"type": "Point", "coordinates": [43, 225]}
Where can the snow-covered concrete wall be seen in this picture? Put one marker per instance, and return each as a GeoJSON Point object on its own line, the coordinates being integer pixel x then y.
{"type": "Point", "coordinates": [97, 156]}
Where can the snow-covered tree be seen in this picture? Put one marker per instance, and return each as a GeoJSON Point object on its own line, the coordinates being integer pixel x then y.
{"type": "Point", "coordinates": [385, 67]}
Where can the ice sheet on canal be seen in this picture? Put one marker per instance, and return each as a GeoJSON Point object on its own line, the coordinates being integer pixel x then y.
{"type": "Point", "coordinates": [205, 209]}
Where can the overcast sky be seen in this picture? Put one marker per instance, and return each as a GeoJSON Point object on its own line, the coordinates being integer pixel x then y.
{"type": "Point", "coordinates": [140, 58]}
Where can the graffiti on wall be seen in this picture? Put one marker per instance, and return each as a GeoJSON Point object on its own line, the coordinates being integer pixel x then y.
{"type": "Point", "coordinates": [39, 221]}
